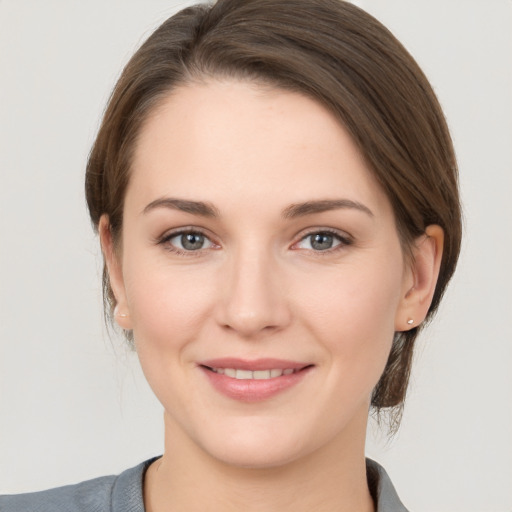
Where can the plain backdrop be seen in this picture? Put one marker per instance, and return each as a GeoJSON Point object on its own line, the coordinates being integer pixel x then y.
{"type": "Point", "coordinates": [73, 403]}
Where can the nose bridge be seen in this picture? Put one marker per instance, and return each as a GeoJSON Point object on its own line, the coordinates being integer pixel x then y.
{"type": "Point", "coordinates": [254, 299]}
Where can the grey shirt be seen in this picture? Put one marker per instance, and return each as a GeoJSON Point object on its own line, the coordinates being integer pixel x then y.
{"type": "Point", "coordinates": [123, 493]}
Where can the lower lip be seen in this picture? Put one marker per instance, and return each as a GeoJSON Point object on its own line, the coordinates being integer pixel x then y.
{"type": "Point", "coordinates": [253, 390]}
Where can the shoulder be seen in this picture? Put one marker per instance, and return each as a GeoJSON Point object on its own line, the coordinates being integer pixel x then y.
{"type": "Point", "coordinates": [382, 489]}
{"type": "Point", "coordinates": [105, 494]}
{"type": "Point", "coordinates": [87, 496]}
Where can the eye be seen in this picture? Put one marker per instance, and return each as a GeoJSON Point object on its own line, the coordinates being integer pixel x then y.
{"type": "Point", "coordinates": [188, 241]}
{"type": "Point", "coordinates": [321, 241]}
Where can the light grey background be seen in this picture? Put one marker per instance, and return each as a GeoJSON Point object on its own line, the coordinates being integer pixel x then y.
{"type": "Point", "coordinates": [73, 403]}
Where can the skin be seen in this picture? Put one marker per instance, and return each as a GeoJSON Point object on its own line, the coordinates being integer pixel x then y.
{"type": "Point", "coordinates": [258, 288]}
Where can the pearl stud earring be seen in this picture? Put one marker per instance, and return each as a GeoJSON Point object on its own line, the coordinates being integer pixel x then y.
{"type": "Point", "coordinates": [410, 321]}
{"type": "Point", "coordinates": [120, 315]}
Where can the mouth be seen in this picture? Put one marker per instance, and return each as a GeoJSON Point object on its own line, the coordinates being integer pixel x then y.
{"type": "Point", "coordinates": [253, 381]}
{"type": "Point", "coordinates": [236, 373]}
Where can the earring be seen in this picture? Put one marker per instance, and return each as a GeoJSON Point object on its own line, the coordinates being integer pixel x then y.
{"type": "Point", "coordinates": [410, 321]}
{"type": "Point", "coordinates": [120, 315]}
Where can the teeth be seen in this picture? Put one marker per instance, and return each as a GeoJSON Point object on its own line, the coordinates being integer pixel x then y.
{"type": "Point", "coordinates": [256, 374]}
{"type": "Point", "coordinates": [261, 374]}
{"type": "Point", "coordinates": [243, 374]}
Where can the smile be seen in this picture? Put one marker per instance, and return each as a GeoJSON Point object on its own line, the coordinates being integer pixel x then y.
{"type": "Point", "coordinates": [253, 374]}
{"type": "Point", "coordinates": [253, 381]}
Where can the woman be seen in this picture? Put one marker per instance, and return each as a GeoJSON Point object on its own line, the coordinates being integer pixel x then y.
{"type": "Point", "coordinates": [275, 192]}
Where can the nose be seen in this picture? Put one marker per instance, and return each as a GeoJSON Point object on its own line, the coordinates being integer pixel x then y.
{"type": "Point", "coordinates": [254, 299]}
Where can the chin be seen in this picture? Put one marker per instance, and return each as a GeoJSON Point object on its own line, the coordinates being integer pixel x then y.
{"type": "Point", "coordinates": [250, 455]}
{"type": "Point", "coordinates": [259, 446]}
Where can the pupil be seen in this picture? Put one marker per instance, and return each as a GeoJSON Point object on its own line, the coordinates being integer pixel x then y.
{"type": "Point", "coordinates": [322, 241]}
{"type": "Point", "coordinates": [192, 241]}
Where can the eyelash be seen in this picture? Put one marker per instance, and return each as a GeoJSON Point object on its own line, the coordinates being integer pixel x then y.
{"type": "Point", "coordinates": [164, 240]}
{"type": "Point", "coordinates": [344, 241]}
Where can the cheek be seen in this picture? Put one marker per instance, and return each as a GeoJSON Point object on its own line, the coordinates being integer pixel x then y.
{"type": "Point", "coordinates": [352, 311]}
{"type": "Point", "coordinates": [171, 311]}
{"type": "Point", "coordinates": [167, 304]}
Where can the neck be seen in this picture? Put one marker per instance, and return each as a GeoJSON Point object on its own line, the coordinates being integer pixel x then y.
{"type": "Point", "coordinates": [187, 478]}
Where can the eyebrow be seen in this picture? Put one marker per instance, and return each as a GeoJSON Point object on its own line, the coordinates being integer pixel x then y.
{"type": "Point", "coordinates": [293, 211]}
{"type": "Point", "coordinates": [193, 207]}
{"type": "Point", "coordinates": [310, 207]}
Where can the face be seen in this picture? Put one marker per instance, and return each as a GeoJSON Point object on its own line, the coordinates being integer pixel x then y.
{"type": "Point", "coordinates": [261, 273]}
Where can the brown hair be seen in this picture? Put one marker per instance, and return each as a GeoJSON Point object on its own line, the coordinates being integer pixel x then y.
{"type": "Point", "coordinates": [338, 55]}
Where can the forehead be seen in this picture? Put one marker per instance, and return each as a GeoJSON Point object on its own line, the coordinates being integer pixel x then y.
{"type": "Point", "coordinates": [228, 139]}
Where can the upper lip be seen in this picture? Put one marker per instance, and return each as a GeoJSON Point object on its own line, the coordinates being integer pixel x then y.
{"type": "Point", "coordinates": [253, 364]}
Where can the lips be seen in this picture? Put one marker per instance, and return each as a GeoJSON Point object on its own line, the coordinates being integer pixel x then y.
{"type": "Point", "coordinates": [252, 381]}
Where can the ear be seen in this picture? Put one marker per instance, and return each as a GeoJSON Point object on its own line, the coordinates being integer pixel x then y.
{"type": "Point", "coordinates": [115, 274]}
{"type": "Point", "coordinates": [420, 279]}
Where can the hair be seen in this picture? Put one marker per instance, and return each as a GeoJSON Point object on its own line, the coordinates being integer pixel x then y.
{"type": "Point", "coordinates": [336, 54]}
